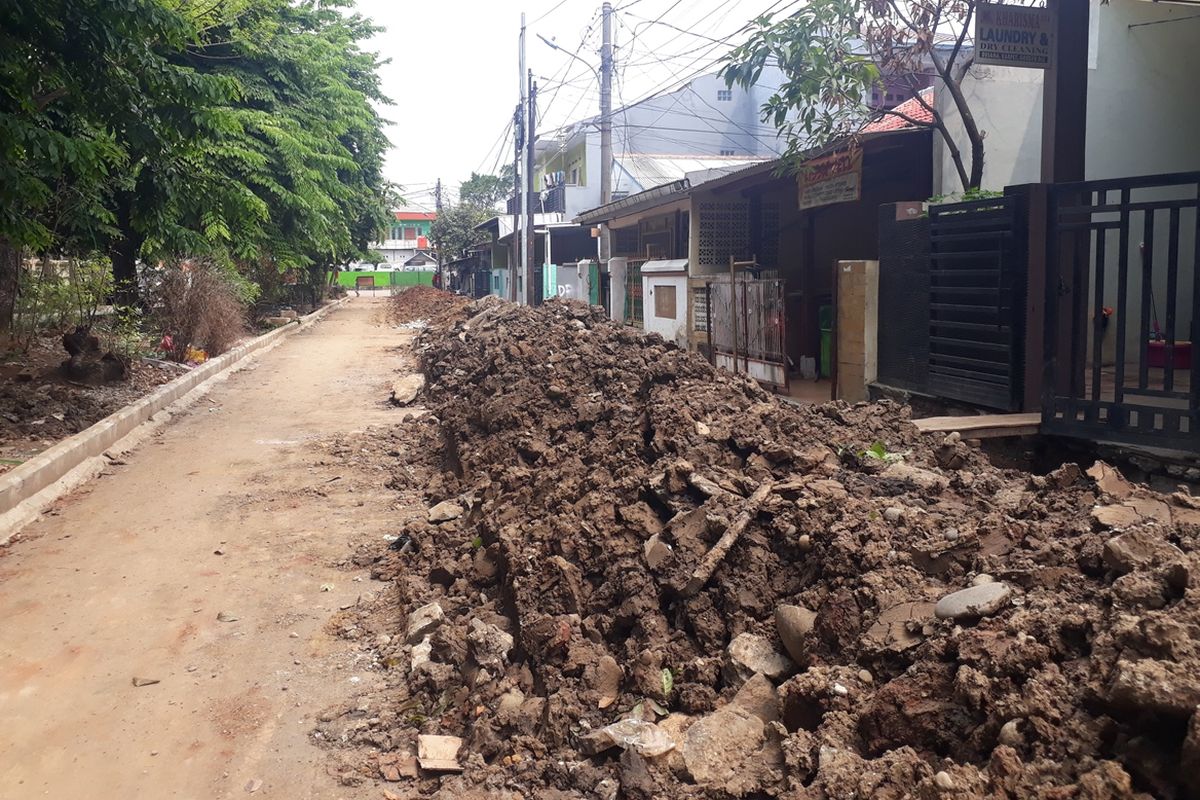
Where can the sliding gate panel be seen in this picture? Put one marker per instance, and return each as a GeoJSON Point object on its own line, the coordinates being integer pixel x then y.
{"type": "Point", "coordinates": [977, 282]}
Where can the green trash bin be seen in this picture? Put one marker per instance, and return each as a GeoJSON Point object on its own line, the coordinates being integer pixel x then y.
{"type": "Point", "coordinates": [825, 323]}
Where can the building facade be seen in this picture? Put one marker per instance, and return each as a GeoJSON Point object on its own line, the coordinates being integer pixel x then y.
{"type": "Point", "coordinates": [405, 237]}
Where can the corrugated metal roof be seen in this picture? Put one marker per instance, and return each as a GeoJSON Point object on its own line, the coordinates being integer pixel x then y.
{"type": "Point", "coordinates": [647, 170]}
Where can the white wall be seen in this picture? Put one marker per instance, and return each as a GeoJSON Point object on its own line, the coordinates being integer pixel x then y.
{"type": "Point", "coordinates": [1143, 97]}
{"type": "Point", "coordinates": [1143, 102]}
{"type": "Point", "coordinates": [1007, 105]}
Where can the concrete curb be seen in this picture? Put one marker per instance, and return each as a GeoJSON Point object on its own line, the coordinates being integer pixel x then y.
{"type": "Point", "coordinates": [28, 489]}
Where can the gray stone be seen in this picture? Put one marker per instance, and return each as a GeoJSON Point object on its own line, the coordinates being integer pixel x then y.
{"type": "Point", "coordinates": [793, 623]}
{"type": "Point", "coordinates": [489, 644]}
{"type": "Point", "coordinates": [446, 511]}
{"type": "Point", "coordinates": [893, 514]}
{"type": "Point", "coordinates": [977, 601]}
{"type": "Point", "coordinates": [749, 654]}
{"type": "Point", "coordinates": [422, 621]}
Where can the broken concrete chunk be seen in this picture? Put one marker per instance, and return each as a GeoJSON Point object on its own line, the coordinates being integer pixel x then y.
{"type": "Point", "coordinates": [438, 753]}
{"type": "Point", "coordinates": [749, 654]}
{"type": "Point", "coordinates": [974, 602]}
{"type": "Point", "coordinates": [1137, 549]}
{"type": "Point", "coordinates": [489, 644]}
{"type": "Point", "coordinates": [422, 621]}
{"type": "Point", "coordinates": [446, 511]}
{"type": "Point", "coordinates": [422, 654]}
{"type": "Point", "coordinates": [405, 390]}
{"type": "Point", "coordinates": [793, 623]}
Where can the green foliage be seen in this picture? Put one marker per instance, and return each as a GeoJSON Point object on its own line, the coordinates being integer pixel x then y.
{"type": "Point", "coordinates": [486, 191]}
{"type": "Point", "coordinates": [239, 130]}
{"type": "Point", "coordinates": [833, 53]}
{"type": "Point", "coordinates": [826, 74]}
{"type": "Point", "coordinates": [53, 297]}
{"type": "Point", "coordinates": [123, 334]}
{"type": "Point", "coordinates": [454, 229]}
{"type": "Point", "coordinates": [965, 196]}
{"type": "Point", "coordinates": [668, 681]}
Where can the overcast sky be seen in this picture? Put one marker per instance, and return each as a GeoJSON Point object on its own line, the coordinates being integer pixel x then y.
{"type": "Point", "coordinates": [453, 70]}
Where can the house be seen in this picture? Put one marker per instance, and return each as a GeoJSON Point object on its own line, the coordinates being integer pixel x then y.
{"type": "Point", "coordinates": [677, 245]}
{"type": "Point", "coordinates": [406, 235]}
{"type": "Point", "coordinates": [1072, 295]}
{"type": "Point", "coordinates": [701, 125]}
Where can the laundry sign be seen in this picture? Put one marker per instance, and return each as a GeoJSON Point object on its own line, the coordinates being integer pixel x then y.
{"type": "Point", "coordinates": [835, 178]}
{"type": "Point", "coordinates": [1014, 36]}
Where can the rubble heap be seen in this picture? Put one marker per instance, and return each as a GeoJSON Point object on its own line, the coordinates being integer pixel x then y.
{"type": "Point", "coordinates": [425, 303]}
{"type": "Point", "coordinates": [643, 577]}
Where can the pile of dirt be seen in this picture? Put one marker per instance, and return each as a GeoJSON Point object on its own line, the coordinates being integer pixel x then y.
{"type": "Point", "coordinates": [769, 601]}
{"type": "Point", "coordinates": [40, 405]}
{"type": "Point", "coordinates": [426, 304]}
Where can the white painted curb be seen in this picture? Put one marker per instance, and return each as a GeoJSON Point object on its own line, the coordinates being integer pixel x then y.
{"type": "Point", "coordinates": [28, 489]}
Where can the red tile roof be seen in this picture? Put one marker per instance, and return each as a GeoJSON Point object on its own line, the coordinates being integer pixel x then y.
{"type": "Point", "coordinates": [911, 108]}
{"type": "Point", "coordinates": [406, 216]}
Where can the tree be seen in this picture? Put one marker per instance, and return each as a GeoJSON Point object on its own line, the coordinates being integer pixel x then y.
{"type": "Point", "coordinates": [834, 52]}
{"type": "Point", "coordinates": [486, 191]}
{"type": "Point", "coordinates": [238, 129]}
{"type": "Point", "coordinates": [453, 231]}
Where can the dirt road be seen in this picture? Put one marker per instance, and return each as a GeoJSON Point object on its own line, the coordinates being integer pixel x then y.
{"type": "Point", "coordinates": [208, 563]}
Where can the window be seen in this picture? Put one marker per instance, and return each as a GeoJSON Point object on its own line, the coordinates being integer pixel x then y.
{"type": "Point", "coordinates": [726, 152]}
{"type": "Point", "coordinates": [394, 232]}
{"type": "Point", "coordinates": [575, 176]}
{"type": "Point", "coordinates": [724, 95]}
{"type": "Point", "coordinates": [409, 234]}
{"type": "Point", "coordinates": [664, 301]}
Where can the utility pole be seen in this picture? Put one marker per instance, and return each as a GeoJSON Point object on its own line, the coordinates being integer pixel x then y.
{"type": "Point", "coordinates": [530, 192]}
{"type": "Point", "coordinates": [437, 204]}
{"type": "Point", "coordinates": [524, 202]}
{"type": "Point", "coordinates": [519, 148]}
{"type": "Point", "coordinates": [606, 152]}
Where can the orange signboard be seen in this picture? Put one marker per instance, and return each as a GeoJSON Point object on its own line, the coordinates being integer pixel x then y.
{"type": "Point", "coordinates": [834, 178]}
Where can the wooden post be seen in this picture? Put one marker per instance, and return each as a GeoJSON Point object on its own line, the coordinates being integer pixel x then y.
{"type": "Point", "coordinates": [733, 309]}
{"type": "Point", "coordinates": [1064, 97]}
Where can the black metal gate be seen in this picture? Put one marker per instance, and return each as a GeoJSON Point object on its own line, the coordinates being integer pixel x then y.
{"type": "Point", "coordinates": [977, 271]}
{"type": "Point", "coordinates": [1121, 295]}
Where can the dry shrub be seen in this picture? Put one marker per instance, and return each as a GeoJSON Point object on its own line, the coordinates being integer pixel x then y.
{"type": "Point", "coordinates": [198, 306]}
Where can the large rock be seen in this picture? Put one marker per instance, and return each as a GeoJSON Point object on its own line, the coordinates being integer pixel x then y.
{"type": "Point", "coordinates": [405, 390]}
{"type": "Point", "coordinates": [749, 654]}
{"type": "Point", "coordinates": [723, 749]}
{"type": "Point", "coordinates": [446, 511]}
{"type": "Point", "coordinates": [793, 623]}
{"type": "Point", "coordinates": [422, 621]}
{"type": "Point", "coordinates": [921, 478]}
{"type": "Point", "coordinates": [974, 602]}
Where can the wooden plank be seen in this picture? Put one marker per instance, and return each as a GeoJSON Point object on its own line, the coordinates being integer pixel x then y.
{"type": "Point", "coordinates": [983, 426]}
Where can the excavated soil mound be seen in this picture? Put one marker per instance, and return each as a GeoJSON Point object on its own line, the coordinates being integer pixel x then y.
{"type": "Point", "coordinates": [428, 304]}
{"type": "Point", "coordinates": [772, 601]}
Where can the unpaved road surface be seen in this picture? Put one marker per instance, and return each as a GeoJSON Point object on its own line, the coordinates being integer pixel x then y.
{"type": "Point", "coordinates": [124, 580]}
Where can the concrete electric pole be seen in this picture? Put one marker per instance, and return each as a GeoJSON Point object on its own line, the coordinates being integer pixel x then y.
{"type": "Point", "coordinates": [606, 151]}
{"type": "Point", "coordinates": [530, 192]}
{"type": "Point", "coordinates": [519, 235]}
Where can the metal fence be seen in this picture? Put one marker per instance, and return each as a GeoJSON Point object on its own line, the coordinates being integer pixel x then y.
{"type": "Point", "coordinates": [746, 324]}
{"type": "Point", "coordinates": [1122, 292]}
